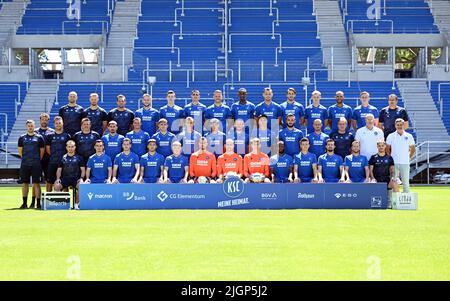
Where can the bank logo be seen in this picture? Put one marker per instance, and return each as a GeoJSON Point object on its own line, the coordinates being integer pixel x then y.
{"type": "Point", "coordinates": [90, 195]}
{"type": "Point", "coordinates": [128, 195]}
{"type": "Point", "coordinates": [162, 196]}
{"type": "Point", "coordinates": [233, 187]}
{"type": "Point", "coordinates": [74, 9]}
{"type": "Point", "coordinates": [375, 202]}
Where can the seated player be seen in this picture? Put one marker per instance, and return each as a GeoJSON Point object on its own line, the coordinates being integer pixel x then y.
{"type": "Point", "coordinates": [176, 166]}
{"type": "Point", "coordinates": [281, 166]}
{"type": "Point", "coordinates": [99, 166]}
{"type": "Point", "coordinates": [202, 164]}
{"type": "Point", "coordinates": [382, 169]}
{"type": "Point", "coordinates": [70, 172]}
{"type": "Point", "coordinates": [139, 138]}
{"type": "Point", "coordinates": [256, 164]}
{"type": "Point", "coordinates": [112, 141]}
{"type": "Point", "coordinates": [152, 165]}
{"type": "Point", "coordinates": [229, 164]}
{"type": "Point", "coordinates": [305, 164]}
{"type": "Point", "coordinates": [163, 138]}
{"type": "Point", "coordinates": [85, 140]}
{"type": "Point", "coordinates": [126, 165]}
{"type": "Point", "coordinates": [356, 167]}
{"type": "Point", "coordinates": [330, 169]}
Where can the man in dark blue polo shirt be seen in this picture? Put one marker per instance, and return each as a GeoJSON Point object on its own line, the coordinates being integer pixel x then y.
{"type": "Point", "coordinates": [71, 114]}
{"type": "Point", "coordinates": [389, 114]}
{"type": "Point", "coordinates": [123, 116]}
{"type": "Point", "coordinates": [343, 139]}
{"type": "Point", "coordinates": [44, 131]}
{"type": "Point", "coordinates": [96, 114]}
{"type": "Point", "coordinates": [85, 140]}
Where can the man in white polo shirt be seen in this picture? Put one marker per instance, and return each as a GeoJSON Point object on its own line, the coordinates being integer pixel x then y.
{"type": "Point", "coordinates": [401, 146]}
{"type": "Point", "coordinates": [368, 137]}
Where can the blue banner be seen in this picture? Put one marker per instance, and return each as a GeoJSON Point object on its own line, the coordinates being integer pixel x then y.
{"type": "Point", "coordinates": [233, 194]}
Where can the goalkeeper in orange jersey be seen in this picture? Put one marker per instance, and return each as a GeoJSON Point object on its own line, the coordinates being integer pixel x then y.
{"type": "Point", "coordinates": [202, 164]}
{"type": "Point", "coordinates": [229, 163]}
{"type": "Point", "coordinates": [256, 164]}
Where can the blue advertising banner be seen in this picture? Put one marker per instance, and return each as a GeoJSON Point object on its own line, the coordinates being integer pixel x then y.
{"type": "Point", "coordinates": [232, 194]}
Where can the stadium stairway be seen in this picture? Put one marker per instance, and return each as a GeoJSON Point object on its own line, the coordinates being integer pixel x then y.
{"type": "Point", "coordinates": [332, 32]}
{"type": "Point", "coordinates": [123, 32]}
{"type": "Point", "coordinates": [441, 13]}
{"type": "Point", "coordinates": [11, 14]}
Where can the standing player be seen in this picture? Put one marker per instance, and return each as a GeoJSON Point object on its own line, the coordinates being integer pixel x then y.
{"type": "Point", "coordinates": [229, 164]}
{"type": "Point", "coordinates": [315, 111]}
{"type": "Point", "coordinates": [163, 138]}
{"type": "Point", "coordinates": [243, 109]}
{"type": "Point", "coordinates": [202, 163]}
{"type": "Point", "coordinates": [126, 165]}
{"type": "Point", "coordinates": [99, 166]}
{"type": "Point", "coordinates": [264, 134]}
{"type": "Point", "coordinates": [343, 139]}
{"type": "Point", "coordinates": [138, 137]}
{"type": "Point", "coordinates": [172, 113]}
{"type": "Point", "coordinates": [361, 111]}
{"type": "Point", "coordinates": [240, 137]}
{"type": "Point", "coordinates": [112, 141]}
{"type": "Point", "coordinates": [291, 136]}
{"type": "Point", "coordinates": [188, 138]}
{"type": "Point", "coordinates": [196, 110]}
{"type": "Point", "coordinates": [330, 169]}
{"type": "Point", "coordinates": [123, 116]}
{"type": "Point", "coordinates": [152, 165]}
{"type": "Point", "coordinates": [339, 110]}
{"type": "Point", "coordinates": [44, 131]}
{"type": "Point", "coordinates": [356, 167]}
{"type": "Point", "coordinates": [216, 139]}
{"type": "Point", "coordinates": [281, 166]}
{"type": "Point", "coordinates": [381, 168]}
{"type": "Point", "coordinates": [71, 114]}
{"type": "Point", "coordinates": [85, 140]}
{"type": "Point", "coordinates": [71, 172]}
{"type": "Point", "coordinates": [256, 164]}
{"type": "Point", "coordinates": [96, 114]}
{"type": "Point", "coordinates": [270, 109]}
{"type": "Point", "coordinates": [305, 164]}
{"type": "Point", "coordinates": [318, 139]}
{"type": "Point", "coordinates": [219, 111]}
{"type": "Point", "coordinates": [55, 147]}
{"type": "Point", "coordinates": [31, 151]}
{"type": "Point", "coordinates": [389, 114]}
{"type": "Point", "coordinates": [176, 166]}
{"type": "Point", "coordinates": [148, 115]}
{"type": "Point", "coordinates": [291, 106]}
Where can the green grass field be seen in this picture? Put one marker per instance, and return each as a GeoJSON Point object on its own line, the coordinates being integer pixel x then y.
{"type": "Point", "coordinates": [227, 245]}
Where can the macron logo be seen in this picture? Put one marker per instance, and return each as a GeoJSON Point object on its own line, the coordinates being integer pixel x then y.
{"type": "Point", "coordinates": [162, 196]}
{"type": "Point", "coordinates": [90, 195]}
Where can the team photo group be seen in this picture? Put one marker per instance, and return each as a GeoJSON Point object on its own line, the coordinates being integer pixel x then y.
{"type": "Point", "coordinates": [268, 142]}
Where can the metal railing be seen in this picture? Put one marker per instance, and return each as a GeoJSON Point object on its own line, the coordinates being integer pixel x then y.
{"type": "Point", "coordinates": [19, 96]}
{"type": "Point", "coordinates": [350, 23]}
{"type": "Point", "coordinates": [271, 9]}
{"type": "Point", "coordinates": [221, 10]}
{"type": "Point", "coordinates": [105, 29]}
{"type": "Point", "coordinates": [277, 23]}
{"type": "Point", "coordinates": [423, 153]}
{"type": "Point", "coordinates": [255, 34]}
{"type": "Point", "coordinates": [175, 24]}
{"type": "Point", "coordinates": [440, 99]}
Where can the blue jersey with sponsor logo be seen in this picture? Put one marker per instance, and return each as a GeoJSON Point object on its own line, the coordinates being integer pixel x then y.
{"type": "Point", "coordinates": [96, 117]}
{"type": "Point", "coordinates": [273, 111]}
{"type": "Point", "coordinates": [176, 167]}
{"type": "Point", "coordinates": [123, 118]}
{"type": "Point", "coordinates": [242, 111]}
{"type": "Point", "coordinates": [216, 142]}
{"type": "Point", "coordinates": [138, 142]}
{"type": "Point", "coordinates": [356, 167]}
{"type": "Point", "coordinates": [164, 143]}
{"type": "Point", "coordinates": [317, 143]}
{"type": "Point", "coordinates": [291, 139]}
{"type": "Point", "coordinates": [266, 138]}
{"type": "Point", "coordinates": [221, 112]}
{"type": "Point", "coordinates": [113, 145]}
{"type": "Point", "coordinates": [331, 166]}
{"type": "Point", "coordinates": [149, 118]}
{"type": "Point", "coordinates": [189, 142]}
{"type": "Point", "coordinates": [72, 118]}
{"type": "Point", "coordinates": [126, 166]}
{"type": "Point", "coordinates": [295, 108]}
{"type": "Point", "coordinates": [197, 112]}
{"type": "Point", "coordinates": [152, 167]}
{"type": "Point", "coordinates": [335, 113]}
{"type": "Point", "coordinates": [281, 165]}
{"type": "Point", "coordinates": [305, 164]}
{"type": "Point", "coordinates": [99, 167]}
{"type": "Point", "coordinates": [312, 113]}
{"type": "Point", "coordinates": [241, 141]}
{"type": "Point", "coordinates": [360, 113]}
{"type": "Point", "coordinates": [174, 115]}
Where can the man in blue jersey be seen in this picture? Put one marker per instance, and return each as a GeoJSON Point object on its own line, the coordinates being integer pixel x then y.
{"type": "Point", "coordinates": [389, 114]}
{"type": "Point", "coordinates": [216, 138]}
{"type": "Point", "coordinates": [85, 140]}
{"type": "Point", "coordinates": [172, 113]}
{"type": "Point", "coordinates": [291, 136]}
{"type": "Point", "coordinates": [99, 166]}
{"type": "Point", "coordinates": [123, 116]}
{"type": "Point", "coordinates": [148, 115]}
{"type": "Point", "coordinates": [291, 106]}
{"type": "Point", "coordinates": [317, 139]}
{"type": "Point", "coordinates": [71, 114]}
{"type": "Point", "coordinates": [240, 137]}
{"type": "Point", "coordinates": [188, 138]}
{"type": "Point", "coordinates": [44, 131]}
{"type": "Point", "coordinates": [330, 166]}
{"type": "Point", "coordinates": [176, 166]}
{"type": "Point", "coordinates": [315, 111]}
{"type": "Point", "coordinates": [265, 135]}
{"type": "Point", "coordinates": [96, 114]}
{"type": "Point", "coordinates": [163, 138]}
{"type": "Point", "coordinates": [112, 141]}
{"type": "Point", "coordinates": [219, 111]}
{"type": "Point", "coordinates": [196, 110]}
{"type": "Point", "coordinates": [356, 166]}
{"type": "Point", "coordinates": [361, 111]}
{"type": "Point", "coordinates": [281, 166]}
{"type": "Point", "coordinates": [126, 165]}
{"type": "Point", "coordinates": [343, 139]}
{"type": "Point", "coordinates": [152, 165]}
{"type": "Point", "coordinates": [31, 150]}
{"type": "Point", "coordinates": [243, 109]}
{"type": "Point", "coordinates": [70, 172]}
{"type": "Point", "coordinates": [139, 138]}
{"type": "Point", "coordinates": [269, 108]}
{"type": "Point", "coordinates": [55, 147]}
{"type": "Point", "coordinates": [305, 164]}
{"type": "Point", "coordinates": [339, 110]}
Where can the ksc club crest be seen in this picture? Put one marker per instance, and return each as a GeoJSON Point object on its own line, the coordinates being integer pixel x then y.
{"type": "Point", "coordinates": [233, 187]}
